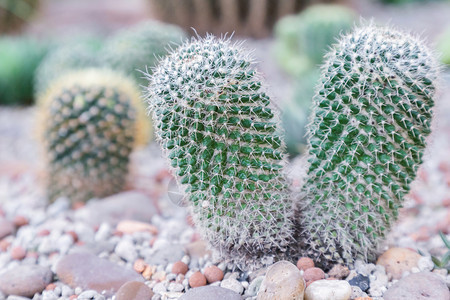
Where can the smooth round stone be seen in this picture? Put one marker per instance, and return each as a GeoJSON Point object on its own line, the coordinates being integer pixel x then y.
{"type": "Point", "coordinates": [232, 284]}
{"type": "Point", "coordinates": [25, 280]}
{"type": "Point", "coordinates": [134, 290]}
{"type": "Point", "coordinates": [213, 274]}
{"type": "Point", "coordinates": [398, 260]}
{"type": "Point", "coordinates": [328, 289]}
{"type": "Point", "coordinates": [360, 281]}
{"type": "Point", "coordinates": [6, 228]}
{"type": "Point", "coordinates": [210, 292]}
{"type": "Point", "coordinates": [418, 286]}
{"type": "Point", "coordinates": [283, 280]}
{"type": "Point", "coordinates": [90, 272]}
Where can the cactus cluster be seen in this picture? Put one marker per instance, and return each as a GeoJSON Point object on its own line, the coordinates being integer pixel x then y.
{"type": "Point", "coordinates": [372, 114]}
{"type": "Point", "coordinates": [221, 133]}
{"type": "Point", "coordinates": [88, 121]}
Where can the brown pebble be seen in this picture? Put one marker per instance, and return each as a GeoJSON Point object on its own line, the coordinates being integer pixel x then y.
{"type": "Point", "coordinates": [74, 235]}
{"type": "Point", "coordinates": [18, 253]}
{"type": "Point", "coordinates": [139, 265]}
{"type": "Point", "coordinates": [213, 274]}
{"type": "Point", "coordinates": [159, 276]}
{"type": "Point", "coordinates": [4, 245]}
{"type": "Point", "coordinates": [197, 279]}
{"type": "Point", "coordinates": [20, 221]}
{"type": "Point", "coordinates": [78, 205]}
{"type": "Point", "coordinates": [43, 232]}
{"type": "Point", "coordinates": [180, 268]}
{"type": "Point", "coordinates": [50, 287]}
{"type": "Point", "coordinates": [313, 274]}
{"type": "Point", "coordinates": [305, 263]}
{"type": "Point", "coordinates": [148, 272]}
{"type": "Point", "coordinates": [339, 271]}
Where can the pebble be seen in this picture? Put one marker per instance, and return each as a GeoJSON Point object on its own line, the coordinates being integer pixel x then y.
{"type": "Point", "coordinates": [126, 250]}
{"type": "Point", "coordinates": [139, 265]}
{"type": "Point", "coordinates": [360, 281]}
{"type": "Point", "coordinates": [88, 271]}
{"type": "Point", "coordinates": [197, 279]}
{"type": "Point", "coordinates": [90, 295]}
{"type": "Point", "coordinates": [233, 285]}
{"type": "Point", "coordinates": [180, 267]}
{"type": "Point", "coordinates": [6, 228]}
{"type": "Point", "coordinates": [25, 280]}
{"type": "Point", "coordinates": [159, 288]}
{"type": "Point", "coordinates": [134, 290]}
{"type": "Point", "coordinates": [283, 280]}
{"type": "Point", "coordinates": [165, 252]}
{"type": "Point", "coordinates": [18, 253]}
{"type": "Point", "coordinates": [313, 274]}
{"type": "Point", "coordinates": [339, 271]}
{"type": "Point", "coordinates": [213, 274]}
{"type": "Point", "coordinates": [305, 263]}
{"type": "Point", "coordinates": [425, 263]}
{"type": "Point", "coordinates": [210, 292]}
{"type": "Point", "coordinates": [254, 286]}
{"type": "Point", "coordinates": [328, 289]}
{"type": "Point", "coordinates": [131, 226]}
{"type": "Point", "coordinates": [198, 249]}
{"type": "Point", "coordinates": [418, 286]}
{"type": "Point", "coordinates": [398, 260]}
{"type": "Point", "coordinates": [357, 293]}
{"type": "Point", "coordinates": [20, 221]}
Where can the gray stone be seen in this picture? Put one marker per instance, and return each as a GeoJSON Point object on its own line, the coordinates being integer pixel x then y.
{"type": "Point", "coordinates": [134, 290]}
{"type": "Point", "coordinates": [90, 295]}
{"type": "Point", "coordinates": [91, 272]}
{"type": "Point", "coordinates": [25, 280]}
{"type": "Point", "coordinates": [233, 285]}
{"type": "Point", "coordinates": [254, 286]}
{"type": "Point", "coordinates": [6, 228]}
{"type": "Point", "coordinates": [418, 286]}
{"type": "Point", "coordinates": [126, 250]}
{"type": "Point", "coordinates": [211, 293]}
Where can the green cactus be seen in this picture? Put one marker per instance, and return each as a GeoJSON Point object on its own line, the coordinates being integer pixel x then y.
{"type": "Point", "coordinates": [135, 49]}
{"type": "Point", "coordinates": [302, 40]}
{"type": "Point", "coordinates": [222, 136]}
{"type": "Point", "coordinates": [19, 58]}
{"type": "Point", "coordinates": [372, 114]}
{"type": "Point", "coordinates": [88, 124]}
{"type": "Point", "coordinates": [443, 46]}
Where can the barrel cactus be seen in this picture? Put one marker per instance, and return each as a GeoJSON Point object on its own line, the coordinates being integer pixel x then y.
{"type": "Point", "coordinates": [134, 49]}
{"type": "Point", "coordinates": [221, 133]}
{"type": "Point", "coordinates": [88, 123]}
{"type": "Point", "coordinates": [372, 114]}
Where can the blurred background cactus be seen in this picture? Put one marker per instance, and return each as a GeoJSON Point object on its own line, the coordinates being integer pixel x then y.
{"type": "Point", "coordinates": [443, 46]}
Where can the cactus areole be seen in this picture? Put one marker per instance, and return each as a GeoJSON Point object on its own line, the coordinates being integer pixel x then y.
{"type": "Point", "coordinates": [222, 136]}
{"type": "Point", "coordinates": [372, 114]}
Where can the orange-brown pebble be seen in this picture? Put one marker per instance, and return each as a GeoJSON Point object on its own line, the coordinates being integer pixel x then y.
{"type": "Point", "coordinates": [139, 265]}
{"type": "Point", "coordinates": [197, 279]}
{"type": "Point", "coordinates": [20, 221]}
{"type": "Point", "coordinates": [313, 274]}
{"type": "Point", "coordinates": [131, 226]}
{"type": "Point", "coordinates": [180, 268]}
{"type": "Point", "coordinates": [77, 205]}
{"type": "Point", "coordinates": [305, 263]}
{"type": "Point", "coordinates": [74, 235]}
{"type": "Point", "coordinates": [18, 253]}
{"type": "Point", "coordinates": [43, 232]}
{"type": "Point", "coordinates": [73, 297]}
{"type": "Point", "coordinates": [331, 278]}
{"type": "Point", "coordinates": [213, 274]}
{"type": "Point", "coordinates": [4, 245]}
{"type": "Point", "coordinates": [148, 272]}
{"type": "Point", "coordinates": [50, 287]}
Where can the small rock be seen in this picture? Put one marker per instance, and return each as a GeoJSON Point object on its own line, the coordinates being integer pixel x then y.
{"type": "Point", "coordinates": [305, 263]}
{"type": "Point", "coordinates": [180, 267]}
{"type": "Point", "coordinates": [18, 253]}
{"type": "Point", "coordinates": [418, 286]}
{"type": "Point", "coordinates": [398, 260]}
{"type": "Point", "coordinates": [357, 293]}
{"type": "Point", "coordinates": [313, 274]}
{"type": "Point", "coordinates": [175, 287]}
{"type": "Point", "coordinates": [328, 289]}
{"type": "Point", "coordinates": [213, 274]}
{"type": "Point", "coordinates": [360, 281]}
{"type": "Point", "coordinates": [130, 227]}
{"type": "Point", "coordinates": [339, 271]}
{"type": "Point", "coordinates": [126, 250]}
{"type": "Point", "coordinates": [425, 263]}
{"type": "Point", "coordinates": [210, 292]}
{"type": "Point", "coordinates": [91, 272]}
{"type": "Point", "coordinates": [90, 295]}
{"type": "Point", "coordinates": [6, 228]}
{"type": "Point", "coordinates": [165, 252]}
{"type": "Point", "coordinates": [254, 286]}
{"type": "Point", "coordinates": [20, 221]}
{"type": "Point", "coordinates": [283, 280]}
{"type": "Point", "coordinates": [233, 285]}
{"type": "Point", "coordinates": [197, 279]}
{"type": "Point", "coordinates": [139, 265]}
{"type": "Point", "coordinates": [198, 249]}
{"type": "Point", "coordinates": [25, 280]}
{"type": "Point", "coordinates": [134, 290]}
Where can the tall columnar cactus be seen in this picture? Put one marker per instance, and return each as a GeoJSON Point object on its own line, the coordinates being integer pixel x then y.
{"type": "Point", "coordinates": [222, 135]}
{"type": "Point", "coordinates": [372, 115]}
{"type": "Point", "coordinates": [88, 123]}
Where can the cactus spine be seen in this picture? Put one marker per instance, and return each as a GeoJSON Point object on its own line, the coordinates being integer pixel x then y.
{"type": "Point", "coordinates": [372, 114]}
{"type": "Point", "coordinates": [222, 135]}
{"type": "Point", "coordinates": [88, 121]}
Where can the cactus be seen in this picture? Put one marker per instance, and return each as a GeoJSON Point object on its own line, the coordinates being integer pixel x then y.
{"type": "Point", "coordinates": [88, 122]}
{"type": "Point", "coordinates": [302, 40]}
{"type": "Point", "coordinates": [135, 49]}
{"type": "Point", "coordinates": [372, 114]}
{"type": "Point", "coordinates": [222, 136]}
{"type": "Point", "coordinates": [19, 58]}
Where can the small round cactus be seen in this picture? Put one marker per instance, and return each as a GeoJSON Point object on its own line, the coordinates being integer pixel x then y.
{"type": "Point", "coordinates": [222, 136]}
{"type": "Point", "coordinates": [372, 114]}
{"type": "Point", "coordinates": [88, 123]}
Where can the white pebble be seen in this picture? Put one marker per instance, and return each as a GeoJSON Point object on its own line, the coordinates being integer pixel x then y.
{"type": "Point", "coordinates": [233, 285]}
{"type": "Point", "coordinates": [159, 288]}
{"type": "Point", "coordinates": [328, 289]}
{"type": "Point", "coordinates": [425, 264]}
{"type": "Point", "coordinates": [125, 249]}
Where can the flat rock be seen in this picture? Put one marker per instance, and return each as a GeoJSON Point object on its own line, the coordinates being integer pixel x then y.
{"type": "Point", "coordinates": [25, 280]}
{"type": "Point", "coordinates": [398, 260]}
{"type": "Point", "coordinates": [418, 286]}
{"type": "Point", "coordinates": [134, 290]}
{"type": "Point", "coordinates": [90, 272]}
{"type": "Point", "coordinates": [328, 289]}
{"type": "Point", "coordinates": [283, 280]}
{"type": "Point", "coordinates": [129, 205]}
{"type": "Point", "coordinates": [6, 228]}
{"type": "Point", "coordinates": [211, 293]}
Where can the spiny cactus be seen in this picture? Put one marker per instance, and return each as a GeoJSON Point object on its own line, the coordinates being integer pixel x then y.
{"type": "Point", "coordinates": [302, 40]}
{"type": "Point", "coordinates": [222, 135]}
{"type": "Point", "coordinates": [372, 114]}
{"type": "Point", "coordinates": [88, 123]}
{"type": "Point", "coordinates": [132, 50]}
